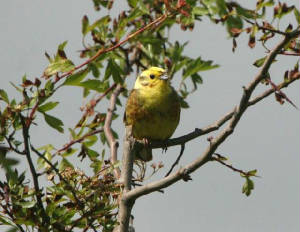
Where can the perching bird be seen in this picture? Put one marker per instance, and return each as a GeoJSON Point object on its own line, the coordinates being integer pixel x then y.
{"type": "Point", "coordinates": [153, 108]}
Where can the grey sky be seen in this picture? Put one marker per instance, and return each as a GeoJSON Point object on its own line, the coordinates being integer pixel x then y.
{"type": "Point", "coordinates": [267, 137]}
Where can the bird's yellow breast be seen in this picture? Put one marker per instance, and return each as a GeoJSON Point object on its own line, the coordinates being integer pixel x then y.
{"type": "Point", "coordinates": [153, 110]}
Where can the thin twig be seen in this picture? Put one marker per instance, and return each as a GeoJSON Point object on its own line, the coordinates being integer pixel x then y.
{"type": "Point", "coordinates": [276, 89]}
{"type": "Point", "coordinates": [68, 145]}
{"type": "Point", "coordinates": [57, 172]}
{"type": "Point", "coordinates": [272, 90]}
{"type": "Point", "coordinates": [11, 147]}
{"type": "Point", "coordinates": [290, 53]}
{"type": "Point", "coordinates": [177, 160]}
{"type": "Point", "coordinates": [155, 23]}
{"type": "Point", "coordinates": [219, 159]}
{"type": "Point", "coordinates": [266, 28]}
{"type": "Point", "coordinates": [95, 101]}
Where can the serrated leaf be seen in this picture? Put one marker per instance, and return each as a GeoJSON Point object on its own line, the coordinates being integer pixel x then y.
{"type": "Point", "coordinates": [197, 65]}
{"type": "Point", "coordinates": [4, 96]}
{"type": "Point", "coordinates": [76, 78]}
{"type": "Point", "coordinates": [54, 122]}
{"type": "Point", "coordinates": [47, 106]}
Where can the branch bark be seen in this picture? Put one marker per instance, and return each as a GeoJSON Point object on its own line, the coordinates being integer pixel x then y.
{"type": "Point", "coordinates": [125, 205]}
{"type": "Point", "coordinates": [113, 144]}
{"type": "Point", "coordinates": [234, 119]}
{"type": "Point", "coordinates": [25, 128]}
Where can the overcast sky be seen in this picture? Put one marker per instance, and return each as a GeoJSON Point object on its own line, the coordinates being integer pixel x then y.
{"type": "Point", "coordinates": [267, 137]}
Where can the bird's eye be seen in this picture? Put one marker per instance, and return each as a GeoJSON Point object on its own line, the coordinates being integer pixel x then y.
{"type": "Point", "coordinates": [152, 76]}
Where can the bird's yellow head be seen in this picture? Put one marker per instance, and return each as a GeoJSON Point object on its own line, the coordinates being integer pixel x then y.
{"type": "Point", "coordinates": [153, 77]}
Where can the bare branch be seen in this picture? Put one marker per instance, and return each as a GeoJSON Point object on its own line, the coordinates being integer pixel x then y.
{"type": "Point", "coordinates": [272, 90]}
{"type": "Point", "coordinates": [125, 206]}
{"type": "Point", "coordinates": [215, 142]}
{"type": "Point", "coordinates": [192, 135]}
{"type": "Point", "coordinates": [113, 144]}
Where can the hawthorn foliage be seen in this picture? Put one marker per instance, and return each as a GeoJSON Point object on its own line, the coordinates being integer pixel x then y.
{"type": "Point", "coordinates": [113, 49]}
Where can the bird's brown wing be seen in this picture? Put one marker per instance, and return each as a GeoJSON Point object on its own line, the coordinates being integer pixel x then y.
{"type": "Point", "coordinates": [134, 108]}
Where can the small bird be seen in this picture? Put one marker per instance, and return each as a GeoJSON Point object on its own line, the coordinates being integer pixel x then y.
{"type": "Point", "coordinates": [152, 109]}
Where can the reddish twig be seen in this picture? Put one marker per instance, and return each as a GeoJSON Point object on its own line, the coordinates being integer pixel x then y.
{"type": "Point", "coordinates": [282, 94]}
{"type": "Point", "coordinates": [68, 145]}
{"type": "Point", "coordinates": [156, 22]}
{"type": "Point", "coordinates": [94, 102]}
{"type": "Point", "coordinates": [31, 115]}
{"type": "Point", "coordinates": [220, 158]}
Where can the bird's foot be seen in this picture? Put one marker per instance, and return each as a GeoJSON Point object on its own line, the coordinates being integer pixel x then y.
{"type": "Point", "coordinates": [165, 146]}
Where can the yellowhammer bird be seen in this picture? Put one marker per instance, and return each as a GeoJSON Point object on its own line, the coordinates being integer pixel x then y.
{"type": "Point", "coordinates": [153, 108]}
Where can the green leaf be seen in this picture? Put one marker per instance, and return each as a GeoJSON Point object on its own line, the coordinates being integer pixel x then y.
{"type": "Point", "coordinates": [94, 69]}
{"type": "Point", "coordinates": [76, 78]}
{"type": "Point", "coordinates": [199, 11]}
{"type": "Point", "coordinates": [47, 106]}
{"type": "Point", "coordinates": [132, 3]}
{"type": "Point", "coordinates": [85, 24]}
{"type": "Point", "coordinates": [4, 96]}
{"type": "Point", "coordinates": [197, 65]}
{"type": "Point", "coordinates": [92, 154]}
{"type": "Point", "coordinates": [65, 164]}
{"type": "Point", "coordinates": [248, 187]}
{"type": "Point", "coordinates": [258, 63]}
{"type": "Point", "coordinates": [93, 85]}
{"type": "Point", "coordinates": [61, 65]}
{"type": "Point", "coordinates": [26, 204]}
{"type": "Point", "coordinates": [69, 152]}
{"type": "Point", "coordinates": [143, 7]}
{"type": "Point", "coordinates": [252, 172]}
{"type": "Point", "coordinates": [7, 221]}
{"type": "Point", "coordinates": [297, 15]}
{"type": "Point", "coordinates": [54, 122]}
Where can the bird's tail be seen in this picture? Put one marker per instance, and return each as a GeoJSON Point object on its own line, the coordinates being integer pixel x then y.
{"type": "Point", "coordinates": [145, 154]}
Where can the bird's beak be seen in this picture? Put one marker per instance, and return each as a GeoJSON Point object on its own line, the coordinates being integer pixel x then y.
{"type": "Point", "coordinates": [164, 76]}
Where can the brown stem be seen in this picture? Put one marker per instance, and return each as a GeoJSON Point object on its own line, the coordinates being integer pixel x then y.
{"type": "Point", "coordinates": [68, 145]}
